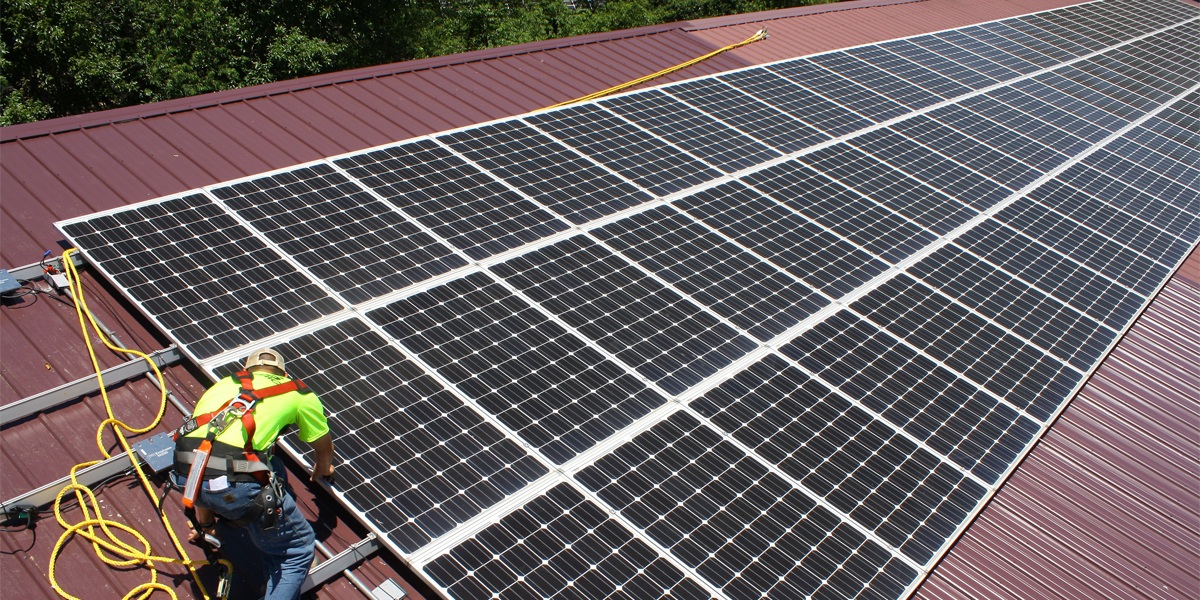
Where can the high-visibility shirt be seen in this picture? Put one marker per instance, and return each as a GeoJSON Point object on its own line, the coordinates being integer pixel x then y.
{"type": "Point", "coordinates": [271, 414]}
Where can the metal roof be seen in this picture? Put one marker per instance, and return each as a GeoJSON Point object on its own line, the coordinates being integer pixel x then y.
{"type": "Point", "coordinates": [1108, 503]}
{"type": "Point", "coordinates": [1133, 425]}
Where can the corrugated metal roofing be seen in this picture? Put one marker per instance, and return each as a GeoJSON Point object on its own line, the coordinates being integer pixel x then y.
{"type": "Point", "coordinates": [73, 166]}
{"type": "Point", "coordinates": [1108, 503]}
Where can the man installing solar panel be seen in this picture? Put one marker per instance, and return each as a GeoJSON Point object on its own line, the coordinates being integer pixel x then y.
{"type": "Point", "coordinates": [225, 467]}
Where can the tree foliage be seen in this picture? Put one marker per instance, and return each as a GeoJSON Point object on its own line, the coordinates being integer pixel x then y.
{"type": "Point", "coordinates": [63, 57]}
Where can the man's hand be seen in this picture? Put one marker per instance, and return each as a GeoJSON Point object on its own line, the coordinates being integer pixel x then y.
{"type": "Point", "coordinates": [323, 466]}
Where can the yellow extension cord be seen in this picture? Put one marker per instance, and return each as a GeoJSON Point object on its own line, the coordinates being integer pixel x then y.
{"type": "Point", "coordinates": [761, 34]}
{"type": "Point", "coordinates": [110, 549]}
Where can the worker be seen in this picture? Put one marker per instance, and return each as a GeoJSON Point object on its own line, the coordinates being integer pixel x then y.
{"type": "Point", "coordinates": [225, 467]}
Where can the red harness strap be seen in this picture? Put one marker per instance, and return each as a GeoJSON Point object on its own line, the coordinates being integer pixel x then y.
{"type": "Point", "coordinates": [251, 397]}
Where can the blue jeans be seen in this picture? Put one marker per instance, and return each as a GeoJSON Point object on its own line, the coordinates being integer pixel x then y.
{"type": "Point", "coordinates": [287, 549]}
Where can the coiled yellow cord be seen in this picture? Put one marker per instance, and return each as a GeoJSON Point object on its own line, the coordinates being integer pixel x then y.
{"type": "Point", "coordinates": [109, 548]}
{"type": "Point", "coordinates": [761, 34]}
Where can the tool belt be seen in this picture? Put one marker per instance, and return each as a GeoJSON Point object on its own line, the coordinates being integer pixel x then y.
{"type": "Point", "coordinates": [227, 460]}
{"type": "Point", "coordinates": [230, 461]}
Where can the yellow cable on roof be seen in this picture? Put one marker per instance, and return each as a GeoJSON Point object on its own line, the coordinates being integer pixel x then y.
{"type": "Point", "coordinates": [110, 549]}
{"type": "Point", "coordinates": [761, 34]}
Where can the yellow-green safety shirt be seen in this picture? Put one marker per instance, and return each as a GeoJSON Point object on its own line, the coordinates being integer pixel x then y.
{"type": "Point", "coordinates": [271, 415]}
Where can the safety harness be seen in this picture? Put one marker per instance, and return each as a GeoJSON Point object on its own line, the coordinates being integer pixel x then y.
{"type": "Point", "coordinates": [205, 458]}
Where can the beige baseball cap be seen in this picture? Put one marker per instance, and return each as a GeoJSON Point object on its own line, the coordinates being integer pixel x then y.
{"type": "Point", "coordinates": [266, 357]}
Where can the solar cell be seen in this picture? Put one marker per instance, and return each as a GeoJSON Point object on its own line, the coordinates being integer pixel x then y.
{"type": "Point", "coordinates": [461, 204]}
{"type": "Point", "coordinates": [994, 107]}
{"type": "Point", "coordinates": [1065, 21]}
{"type": "Point", "coordinates": [1042, 319]}
{"type": "Point", "coordinates": [961, 148]}
{"type": "Point", "coordinates": [1044, 53]}
{"type": "Point", "coordinates": [538, 379]}
{"type": "Point", "coordinates": [1127, 266]}
{"type": "Point", "coordinates": [1129, 104]}
{"type": "Point", "coordinates": [786, 239]}
{"type": "Point", "coordinates": [1132, 172]}
{"type": "Point", "coordinates": [205, 277]}
{"type": "Point", "coordinates": [1066, 110]}
{"type": "Point", "coordinates": [843, 211]}
{"type": "Point", "coordinates": [845, 92]}
{"type": "Point", "coordinates": [884, 82]}
{"type": "Point", "coordinates": [356, 244]}
{"type": "Point", "coordinates": [647, 325]}
{"type": "Point", "coordinates": [1116, 194]}
{"type": "Point", "coordinates": [930, 167]}
{"type": "Point", "coordinates": [1002, 138]}
{"type": "Point", "coordinates": [883, 480]}
{"type": "Point", "coordinates": [942, 57]}
{"type": "Point", "coordinates": [632, 152]}
{"type": "Point", "coordinates": [1058, 81]}
{"type": "Point", "coordinates": [412, 458]}
{"type": "Point", "coordinates": [888, 65]}
{"type": "Point", "coordinates": [874, 179]}
{"type": "Point", "coordinates": [909, 390]}
{"type": "Point", "coordinates": [764, 122]}
{"type": "Point", "coordinates": [780, 92]}
{"type": "Point", "coordinates": [559, 545]}
{"type": "Point", "coordinates": [545, 170]}
{"type": "Point", "coordinates": [713, 141]}
{"type": "Point", "coordinates": [1064, 278]}
{"type": "Point", "coordinates": [1067, 42]}
{"type": "Point", "coordinates": [740, 526]}
{"type": "Point", "coordinates": [1005, 38]}
{"type": "Point", "coordinates": [985, 58]}
{"type": "Point", "coordinates": [968, 344]}
{"type": "Point", "coordinates": [1133, 233]}
{"type": "Point", "coordinates": [739, 286]}
{"type": "Point", "coordinates": [1056, 26]}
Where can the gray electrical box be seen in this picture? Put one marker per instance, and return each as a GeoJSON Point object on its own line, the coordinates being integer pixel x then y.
{"type": "Point", "coordinates": [7, 282]}
{"type": "Point", "coordinates": [158, 452]}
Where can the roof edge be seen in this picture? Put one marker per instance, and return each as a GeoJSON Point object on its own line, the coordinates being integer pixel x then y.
{"type": "Point", "coordinates": [165, 107]}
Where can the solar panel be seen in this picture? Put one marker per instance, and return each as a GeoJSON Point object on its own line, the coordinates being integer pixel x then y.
{"type": "Point", "coordinates": [648, 161]}
{"type": "Point", "coordinates": [880, 477]}
{"type": "Point", "coordinates": [700, 135]}
{"type": "Point", "coordinates": [536, 377]}
{"type": "Point", "coordinates": [764, 122]}
{"type": "Point", "coordinates": [737, 523]}
{"type": "Point", "coordinates": [201, 274]}
{"type": "Point", "coordinates": [560, 545]}
{"type": "Point", "coordinates": [786, 239]}
{"type": "Point", "coordinates": [875, 179]}
{"type": "Point", "coordinates": [353, 242]}
{"type": "Point", "coordinates": [713, 270]}
{"type": "Point", "coordinates": [842, 91]}
{"type": "Point", "coordinates": [769, 87]}
{"type": "Point", "coordinates": [412, 456]}
{"type": "Point", "coordinates": [664, 336]}
{"type": "Point", "coordinates": [843, 211]}
{"type": "Point", "coordinates": [777, 332]}
{"type": "Point", "coordinates": [546, 171]}
{"type": "Point", "coordinates": [454, 199]}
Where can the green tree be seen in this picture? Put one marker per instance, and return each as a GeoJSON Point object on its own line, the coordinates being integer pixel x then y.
{"type": "Point", "coordinates": [62, 57]}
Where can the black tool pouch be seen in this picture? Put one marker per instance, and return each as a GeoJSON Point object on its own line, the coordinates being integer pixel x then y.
{"type": "Point", "coordinates": [271, 500]}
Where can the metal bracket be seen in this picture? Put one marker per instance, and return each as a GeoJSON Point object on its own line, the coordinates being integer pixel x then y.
{"type": "Point", "coordinates": [90, 477]}
{"type": "Point", "coordinates": [342, 561]}
{"type": "Point", "coordinates": [83, 386]}
{"type": "Point", "coordinates": [388, 590]}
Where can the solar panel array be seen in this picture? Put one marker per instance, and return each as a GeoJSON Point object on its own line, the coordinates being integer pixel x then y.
{"type": "Point", "coordinates": [779, 332]}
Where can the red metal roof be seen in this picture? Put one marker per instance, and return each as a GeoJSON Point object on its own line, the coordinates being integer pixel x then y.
{"type": "Point", "coordinates": [1108, 503]}
{"type": "Point", "coordinates": [62, 168]}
